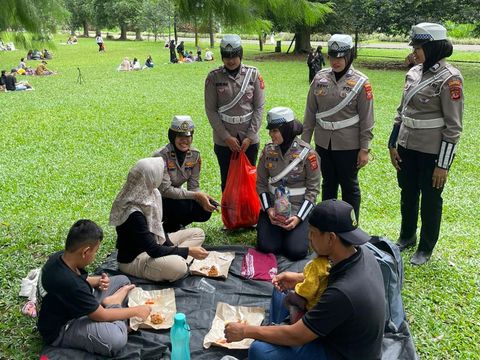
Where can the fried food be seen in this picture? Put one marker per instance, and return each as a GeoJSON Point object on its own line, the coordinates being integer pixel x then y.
{"type": "Point", "coordinates": [149, 302]}
{"type": "Point", "coordinates": [156, 318]}
{"type": "Point", "coordinates": [213, 271]}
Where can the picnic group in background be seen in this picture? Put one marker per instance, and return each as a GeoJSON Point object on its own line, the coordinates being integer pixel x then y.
{"type": "Point", "coordinates": [337, 304]}
{"type": "Point", "coordinates": [127, 65]}
{"type": "Point", "coordinates": [39, 55]}
{"type": "Point", "coordinates": [185, 56]}
{"type": "Point", "coordinates": [72, 40]}
{"type": "Point", "coordinates": [8, 82]}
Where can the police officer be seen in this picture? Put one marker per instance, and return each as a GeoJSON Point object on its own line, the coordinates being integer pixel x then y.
{"type": "Point", "coordinates": [425, 134]}
{"type": "Point", "coordinates": [339, 111]}
{"type": "Point", "coordinates": [182, 206]}
{"type": "Point", "coordinates": [234, 102]}
{"type": "Point", "coordinates": [288, 162]}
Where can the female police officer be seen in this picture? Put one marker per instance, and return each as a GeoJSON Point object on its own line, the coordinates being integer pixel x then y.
{"type": "Point", "coordinates": [286, 162]}
{"type": "Point", "coordinates": [426, 131]}
{"type": "Point", "coordinates": [340, 111]}
{"type": "Point", "coordinates": [182, 165]}
{"type": "Point", "coordinates": [234, 105]}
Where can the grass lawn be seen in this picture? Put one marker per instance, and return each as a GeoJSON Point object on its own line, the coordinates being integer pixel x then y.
{"type": "Point", "coordinates": [66, 148]}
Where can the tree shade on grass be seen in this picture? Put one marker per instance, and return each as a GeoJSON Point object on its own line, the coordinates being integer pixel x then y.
{"type": "Point", "coordinates": [66, 148]}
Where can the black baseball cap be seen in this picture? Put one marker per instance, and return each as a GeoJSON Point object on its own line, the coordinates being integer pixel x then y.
{"type": "Point", "coordinates": [339, 217]}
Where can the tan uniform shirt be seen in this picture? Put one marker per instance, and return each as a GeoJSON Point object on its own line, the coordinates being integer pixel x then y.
{"type": "Point", "coordinates": [325, 93]}
{"type": "Point", "coordinates": [175, 175]}
{"type": "Point", "coordinates": [441, 99]}
{"type": "Point", "coordinates": [305, 174]}
{"type": "Point", "coordinates": [220, 90]}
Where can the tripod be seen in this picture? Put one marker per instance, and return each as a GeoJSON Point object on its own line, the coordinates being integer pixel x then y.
{"type": "Point", "coordinates": [80, 79]}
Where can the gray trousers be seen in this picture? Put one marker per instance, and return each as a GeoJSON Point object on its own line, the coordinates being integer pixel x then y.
{"type": "Point", "coordinates": [104, 338]}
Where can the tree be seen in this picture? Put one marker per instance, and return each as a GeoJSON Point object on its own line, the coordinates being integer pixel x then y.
{"type": "Point", "coordinates": [156, 14]}
{"type": "Point", "coordinates": [37, 18]}
{"type": "Point", "coordinates": [81, 14]}
{"type": "Point", "coordinates": [299, 16]}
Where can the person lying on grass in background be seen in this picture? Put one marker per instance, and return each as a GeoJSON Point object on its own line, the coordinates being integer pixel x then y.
{"type": "Point", "coordinates": [11, 83]}
{"type": "Point", "coordinates": [81, 311]}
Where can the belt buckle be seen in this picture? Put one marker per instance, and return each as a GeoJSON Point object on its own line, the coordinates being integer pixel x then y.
{"type": "Point", "coordinates": [331, 125]}
{"type": "Point", "coordinates": [236, 119]}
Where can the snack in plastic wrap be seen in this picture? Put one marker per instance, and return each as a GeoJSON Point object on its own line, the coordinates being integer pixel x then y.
{"type": "Point", "coordinates": [282, 206]}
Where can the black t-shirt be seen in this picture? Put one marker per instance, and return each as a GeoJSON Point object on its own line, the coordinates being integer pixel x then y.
{"type": "Point", "coordinates": [134, 237]}
{"type": "Point", "coordinates": [350, 315]}
{"type": "Point", "coordinates": [63, 296]}
{"type": "Point", "coordinates": [10, 81]}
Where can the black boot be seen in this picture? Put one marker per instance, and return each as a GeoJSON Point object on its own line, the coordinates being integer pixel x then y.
{"type": "Point", "coordinates": [420, 257]}
{"type": "Point", "coordinates": [404, 244]}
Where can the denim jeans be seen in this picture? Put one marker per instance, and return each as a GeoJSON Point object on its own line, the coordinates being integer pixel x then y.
{"type": "Point", "coordinates": [264, 351]}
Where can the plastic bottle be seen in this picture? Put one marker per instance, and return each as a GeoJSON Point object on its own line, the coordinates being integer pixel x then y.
{"type": "Point", "coordinates": [180, 338]}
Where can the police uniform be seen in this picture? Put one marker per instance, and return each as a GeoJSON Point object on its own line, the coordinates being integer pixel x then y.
{"type": "Point", "coordinates": [303, 181]}
{"type": "Point", "coordinates": [179, 207]}
{"type": "Point", "coordinates": [340, 114]}
{"type": "Point", "coordinates": [426, 131]}
{"type": "Point", "coordinates": [234, 106]}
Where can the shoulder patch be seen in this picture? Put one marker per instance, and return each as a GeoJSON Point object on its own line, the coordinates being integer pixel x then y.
{"type": "Point", "coordinates": [455, 88]}
{"type": "Point", "coordinates": [262, 83]}
{"type": "Point", "coordinates": [368, 90]}
{"type": "Point", "coordinates": [312, 158]}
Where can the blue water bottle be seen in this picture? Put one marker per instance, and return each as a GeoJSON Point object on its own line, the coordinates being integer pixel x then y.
{"type": "Point", "coordinates": [180, 338]}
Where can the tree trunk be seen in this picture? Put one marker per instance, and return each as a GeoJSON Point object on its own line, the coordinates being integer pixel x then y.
{"type": "Point", "coordinates": [85, 28]}
{"type": "Point", "coordinates": [175, 28]}
{"type": "Point", "coordinates": [210, 30]}
{"type": "Point", "coordinates": [302, 40]}
{"type": "Point", "coordinates": [260, 42]}
{"type": "Point", "coordinates": [138, 35]}
{"type": "Point", "coordinates": [123, 32]}
{"type": "Point", "coordinates": [356, 44]}
{"type": "Point", "coordinates": [196, 31]}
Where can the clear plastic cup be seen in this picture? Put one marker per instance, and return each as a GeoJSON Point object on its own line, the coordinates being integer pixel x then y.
{"type": "Point", "coordinates": [204, 286]}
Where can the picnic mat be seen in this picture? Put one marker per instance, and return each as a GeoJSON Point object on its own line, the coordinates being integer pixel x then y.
{"type": "Point", "coordinates": [199, 307]}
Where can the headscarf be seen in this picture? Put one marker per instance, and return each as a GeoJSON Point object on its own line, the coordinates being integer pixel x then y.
{"type": "Point", "coordinates": [289, 130]}
{"type": "Point", "coordinates": [348, 62]}
{"type": "Point", "coordinates": [140, 193]}
{"type": "Point", "coordinates": [435, 51]}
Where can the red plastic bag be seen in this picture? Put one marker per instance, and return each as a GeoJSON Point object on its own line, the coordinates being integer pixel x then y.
{"type": "Point", "coordinates": [240, 202]}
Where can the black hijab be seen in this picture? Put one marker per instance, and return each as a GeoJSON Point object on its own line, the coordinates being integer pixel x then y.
{"type": "Point", "coordinates": [179, 154]}
{"type": "Point", "coordinates": [348, 62]}
{"type": "Point", "coordinates": [435, 51]}
{"type": "Point", "coordinates": [289, 130]}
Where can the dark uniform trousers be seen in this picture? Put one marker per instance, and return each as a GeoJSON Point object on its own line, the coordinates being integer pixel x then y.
{"type": "Point", "coordinates": [415, 177]}
{"type": "Point", "coordinates": [224, 154]}
{"type": "Point", "coordinates": [269, 238]}
{"type": "Point", "coordinates": [178, 213]}
{"type": "Point", "coordinates": [339, 167]}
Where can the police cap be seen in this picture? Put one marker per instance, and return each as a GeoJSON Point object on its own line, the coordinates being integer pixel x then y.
{"type": "Point", "coordinates": [231, 46]}
{"type": "Point", "coordinates": [425, 32]}
{"type": "Point", "coordinates": [278, 116]}
{"type": "Point", "coordinates": [182, 124]}
{"type": "Point", "coordinates": [339, 45]}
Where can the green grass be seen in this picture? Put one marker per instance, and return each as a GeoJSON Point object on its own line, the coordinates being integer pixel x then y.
{"type": "Point", "coordinates": [65, 150]}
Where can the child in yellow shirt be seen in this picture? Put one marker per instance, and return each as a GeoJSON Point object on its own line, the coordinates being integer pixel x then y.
{"type": "Point", "coordinates": [308, 292]}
